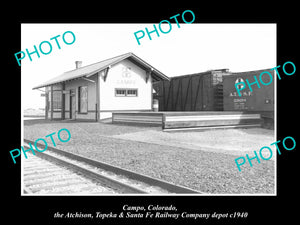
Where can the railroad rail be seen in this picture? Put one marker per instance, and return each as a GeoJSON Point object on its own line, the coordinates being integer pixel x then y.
{"type": "Point", "coordinates": [122, 181]}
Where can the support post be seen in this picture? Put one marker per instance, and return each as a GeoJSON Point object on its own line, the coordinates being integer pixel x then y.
{"type": "Point", "coordinates": [96, 112]}
{"type": "Point", "coordinates": [51, 101]}
{"type": "Point", "coordinates": [63, 102]}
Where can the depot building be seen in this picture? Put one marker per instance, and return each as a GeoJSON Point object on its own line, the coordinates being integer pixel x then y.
{"type": "Point", "coordinates": [93, 92]}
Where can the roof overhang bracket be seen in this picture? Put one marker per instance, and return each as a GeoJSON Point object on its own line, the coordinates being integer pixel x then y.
{"type": "Point", "coordinates": [148, 74]}
{"type": "Point", "coordinates": [104, 73]}
{"type": "Point", "coordinates": [88, 80]}
{"type": "Point", "coordinates": [39, 90]}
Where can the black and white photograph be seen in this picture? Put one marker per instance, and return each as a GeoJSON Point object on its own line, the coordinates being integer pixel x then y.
{"type": "Point", "coordinates": [172, 118]}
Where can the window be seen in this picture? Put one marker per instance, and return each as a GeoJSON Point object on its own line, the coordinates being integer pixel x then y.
{"type": "Point", "coordinates": [82, 99]}
{"type": "Point", "coordinates": [126, 92]}
{"type": "Point", "coordinates": [57, 98]}
{"type": "Point", "coordinates": [132, 92]}
{"type": "Point", "coordinates": [120, 92]}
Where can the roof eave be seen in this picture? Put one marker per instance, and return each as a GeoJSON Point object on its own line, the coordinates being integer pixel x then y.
{"type": "Point", "coordinates": [145, 64]}
{"type": "Point", "coordinates": [54, 83]}
{"type": "Point", "coordinates": [158, 75]}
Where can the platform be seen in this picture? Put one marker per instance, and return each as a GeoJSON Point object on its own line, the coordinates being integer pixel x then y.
{"type": "Point", "coordinates": [172, 121]}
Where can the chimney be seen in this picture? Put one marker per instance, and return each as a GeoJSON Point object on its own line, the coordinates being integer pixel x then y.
{"type": "Point", "coordinates": [78, 64]}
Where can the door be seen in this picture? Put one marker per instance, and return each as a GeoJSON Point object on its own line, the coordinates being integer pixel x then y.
{"type": "Point", "coordinates": [72, 104]}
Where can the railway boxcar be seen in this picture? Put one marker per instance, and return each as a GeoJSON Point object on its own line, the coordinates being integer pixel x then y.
{"type": "Point", "coordinates": [215, 91]}
{"type": "Point", "coordinates": [259, 99]}
{"type": "Point", "coordinates": [193, 92]}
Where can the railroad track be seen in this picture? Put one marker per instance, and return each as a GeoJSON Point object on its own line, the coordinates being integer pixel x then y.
{"type": "Point", "coordinates": [108, 179]}
{"type": "Point", "coordinates": [45, 177]}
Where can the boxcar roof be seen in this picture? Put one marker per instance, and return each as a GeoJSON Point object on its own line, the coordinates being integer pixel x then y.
{"type": "Point", "coordinates": [250, 73]}
{"type": "Point", "coordinates": [208, 72]}
{"type": "Point", "coordinates": [89, 70]}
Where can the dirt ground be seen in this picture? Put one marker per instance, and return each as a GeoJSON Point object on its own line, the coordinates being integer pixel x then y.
{"type": "Point", "coordinates": [229, 141]}
{"type": "Point", "coordinates": [202, 160]}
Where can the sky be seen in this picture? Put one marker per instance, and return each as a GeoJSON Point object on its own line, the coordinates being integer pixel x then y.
{"type": "Point", "coordinates": [192, 48]}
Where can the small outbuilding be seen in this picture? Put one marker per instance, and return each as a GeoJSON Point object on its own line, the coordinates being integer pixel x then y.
{"type": "Point", "coordinates": [93, 92]}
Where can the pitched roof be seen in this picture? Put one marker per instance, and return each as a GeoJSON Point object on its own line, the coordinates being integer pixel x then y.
{"type": "Point", "coordinates": [87, 71]}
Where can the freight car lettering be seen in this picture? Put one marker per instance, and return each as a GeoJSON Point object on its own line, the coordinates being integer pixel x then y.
{"type": "Point", "coordinates": [140, 34]}
{"type": "Point", "coordinates": [45, 47]}
{"type": "Point", "coordinates": [239, 100]}
{"type": "Point", "coordinates": [244, 93]}
{"type": "Point", "coordinates": [242, 160]}
{"type": "Point", "coordinates": [35, 144]}
{"type": "Point", "coordinates": [242, 85]}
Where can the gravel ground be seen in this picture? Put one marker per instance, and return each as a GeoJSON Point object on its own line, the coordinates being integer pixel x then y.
{"type": "Point", "coordinates": [187, 158]}
{"type": "Point", "coordinates": [231, 141]}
